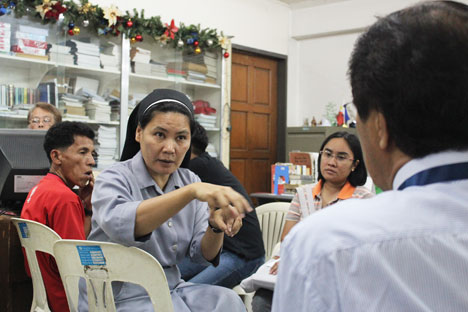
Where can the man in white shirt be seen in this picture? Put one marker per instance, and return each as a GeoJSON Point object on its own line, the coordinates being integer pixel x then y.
{"type": "Point", "coordinates": [407, 248]}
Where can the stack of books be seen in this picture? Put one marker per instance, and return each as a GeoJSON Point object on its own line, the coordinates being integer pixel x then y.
{"type": "Point", "coordinates": [141, 61]}
{"type": "Point", "coordinates": [110, 57]}
{"type": "Point", "coordinates": [158, 68]}
{"type": "Point", "coordinates": [98, 110]}
{"type": "Point", "coordinates": [174, 69]}
{"type": "Point", "coordinates": [208, 122]}
{"type": "Point", "coordinates": [72, 107]}
{"type": "Point", "coordinates": [29, 41]}
{"type": "Point", "coordinates": [5, 34]}
{"type": "Point", "coordinates": [61, 54]}
{"type": "Point", "coordinates": [211, 62]}
{"type": "Point", "coordinates": [86, 54]}
{"type": "Point", "coordinates": [106, 147]}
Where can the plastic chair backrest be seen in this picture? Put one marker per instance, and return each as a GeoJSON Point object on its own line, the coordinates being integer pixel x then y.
{"type": "Point", "coordinates": [271, 217]}
{"type": "Point", "coordinates": [100, 263]}
{"type": "Point", "coordinates": [35, 236]}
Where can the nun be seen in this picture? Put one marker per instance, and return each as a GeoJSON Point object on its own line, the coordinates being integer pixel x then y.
{"type": "Point", "coordinates": [148, 200]}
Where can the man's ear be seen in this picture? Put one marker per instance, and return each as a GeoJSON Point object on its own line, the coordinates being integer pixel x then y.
{"type": "Point", "coordinates": [382, 131]}
{"type": "Point", "coordinates": [56, 156]}
{"type": "Point", "coordinates": [138, 133]}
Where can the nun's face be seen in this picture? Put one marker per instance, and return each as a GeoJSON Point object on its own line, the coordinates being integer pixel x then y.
{"type": "Point", "coordinates": [164, 142]}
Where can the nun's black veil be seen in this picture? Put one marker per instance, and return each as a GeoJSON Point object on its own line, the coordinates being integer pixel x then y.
{"type": "Point", "coordinates": [131, 146]}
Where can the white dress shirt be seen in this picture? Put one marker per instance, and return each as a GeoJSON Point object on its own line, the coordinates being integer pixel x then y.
{"type": "Point", "coordinates": [399, 251]}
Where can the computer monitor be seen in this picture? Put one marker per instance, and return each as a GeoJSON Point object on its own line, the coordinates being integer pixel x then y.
{"type": "Point", "coordinates": [23, 162]}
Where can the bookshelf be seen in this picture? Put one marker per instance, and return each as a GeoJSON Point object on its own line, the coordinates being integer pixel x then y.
{"type": "Point", "coordinates": [116, 79]}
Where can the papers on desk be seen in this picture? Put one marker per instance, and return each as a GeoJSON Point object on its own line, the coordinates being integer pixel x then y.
{"type": "Point", "coordinates": [261, 279]}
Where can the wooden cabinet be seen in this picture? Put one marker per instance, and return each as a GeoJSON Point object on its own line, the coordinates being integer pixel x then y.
{"type": "Point", "coordinates": [15, 285]}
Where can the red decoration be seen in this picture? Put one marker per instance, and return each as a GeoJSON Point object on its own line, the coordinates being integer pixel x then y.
{"type": "Point", "coordinates": [55, 11]}
{"type": "Point", "coordinates": [226, 54]}
{"type": "Point", "coordinates": [340, 119]}
{"type": "Point", "coordinates": [171, 30]}
{"type": "Point", "coordinates": [129, 23]}
{"type": "Point", "coordinates": [196, 43]}
{"type": "Point", "coordinates": [139, 38]}
{"type": "Point", "coordinates": [71, 32]}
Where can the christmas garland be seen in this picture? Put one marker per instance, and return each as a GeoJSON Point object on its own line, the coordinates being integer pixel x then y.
{"type": "Point", "coordinates": [110, 21]}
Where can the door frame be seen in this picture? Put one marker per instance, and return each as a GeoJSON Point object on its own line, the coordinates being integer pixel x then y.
{"type": "Point", "coordinates": [281, 95]}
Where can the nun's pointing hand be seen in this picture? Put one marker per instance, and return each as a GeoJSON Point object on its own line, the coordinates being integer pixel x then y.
{"type": "Point", "coordinates": [222, 197]}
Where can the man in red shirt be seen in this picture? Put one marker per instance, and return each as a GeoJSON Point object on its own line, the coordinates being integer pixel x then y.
{"type": "Point", "coordinates": [70, 149]}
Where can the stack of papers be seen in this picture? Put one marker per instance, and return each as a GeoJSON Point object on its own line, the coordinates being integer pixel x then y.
{"type": "Point", "coordinates": [98, 110]}
{"type": "Point", "coordinates": [86, 54]}
{"type": "Point", "coordinates": [72, 107]}
{"type": "Point", "coordinates": [208, 122]}
{"type": "Point", "coordinates": [106, 146]}
{"type": "Point", "coordinates": [141, 59]}
{"type": "Point", "coordinates": [61, 54]}
{"type": "Point", "coordinates": [110, 57]}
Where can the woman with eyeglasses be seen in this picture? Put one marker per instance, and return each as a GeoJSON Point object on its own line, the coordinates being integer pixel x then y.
{"type": "Point", "coordinates": [43, 116]}
{"type": "Point", "coordinates": [341, 175]}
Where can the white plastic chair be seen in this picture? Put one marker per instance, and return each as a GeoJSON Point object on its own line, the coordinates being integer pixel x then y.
{"type": "Point", "coordinates": [271, 217]}
{"type": "Point", "coordinates": [35, 236]}
{"type": "Point", "coordinates": [100, 263]}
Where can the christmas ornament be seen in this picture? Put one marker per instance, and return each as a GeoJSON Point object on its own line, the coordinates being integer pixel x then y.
{"type": "Point", "coordinates": [196, 43]}
{"type": "Point", "coordinates": [129, 23]}
{"type": "Point", "coordinates": [209, 42]}
{"type": "Point", "coordinates": [190, 41]}
{"type": "Point", "coordinates": [71, 25]}
{"type": "Point", "coordinates": [12, 5]}
{"type": "Point", "coordinates": [50, 9]}
{"type": "Point", "coordinates": [86, 8]}
{"type": "Point", "coordinates": [180, 43]}
{"type": "Point", "coordinates": [76, 30]}
{"type": "Point", "coordinates": [85, 23]}
{"type": "Point", "coordinates": [226, 54]}
{"type": "Point", "coordinates": [139, 38]}
{"type": "Point", "coordinates": [132, 40]}
{"type": "Point", "coordinates": [111, 13]}
{"type": "Point", "coordinates": [197, 50]}
{"type": "Point", "coordinates": [2, 11]}
{"type": "Point", "coordinates": [70, 32]}
{"type": "Point", "coordinates": [171, 30]}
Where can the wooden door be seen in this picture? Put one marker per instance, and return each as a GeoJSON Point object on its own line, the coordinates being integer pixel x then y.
{"type": "Point", "coordinates": [253, 120]}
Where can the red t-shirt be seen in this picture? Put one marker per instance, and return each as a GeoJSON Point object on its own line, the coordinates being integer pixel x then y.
{"type": "Point", "coordinates": [53, 203]}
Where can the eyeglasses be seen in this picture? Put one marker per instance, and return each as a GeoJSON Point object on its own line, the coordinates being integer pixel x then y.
{"type": "Point", "coordinates": [340, 158]}
{"type": "Point", "coordinates": [37, 120]}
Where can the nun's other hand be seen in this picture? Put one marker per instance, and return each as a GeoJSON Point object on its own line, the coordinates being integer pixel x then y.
{"type": "Point", "coordinates": [222, 197]}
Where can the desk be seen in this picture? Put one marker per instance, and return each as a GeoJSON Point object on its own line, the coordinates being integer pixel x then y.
{"type": "Point", "coordinates": [263, 198]}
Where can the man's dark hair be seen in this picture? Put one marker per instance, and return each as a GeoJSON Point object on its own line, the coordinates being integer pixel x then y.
{"type": "Point", "coordinates": [412, 66]}
{"type": "Point", "coordinates": [62, 135]}
{"type": "Point", "coordinates": [199, 139]}
{"type": "Point", "coordinates": [359, 175]}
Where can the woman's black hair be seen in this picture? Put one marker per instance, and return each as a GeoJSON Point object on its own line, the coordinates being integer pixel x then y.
{"type": "Point", "coordinates": [160, 100]}
{"type": "Point", "coordinates": [359, 175]}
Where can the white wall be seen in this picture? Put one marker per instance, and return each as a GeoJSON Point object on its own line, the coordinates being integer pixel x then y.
{"type": "Point", "coordinates": [259, 24]}
{"type": "Point", "coordinates": [322, 38]}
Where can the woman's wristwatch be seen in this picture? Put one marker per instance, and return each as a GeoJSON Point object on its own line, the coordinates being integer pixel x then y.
{"type": "Point", "coordinates": [214, 229]}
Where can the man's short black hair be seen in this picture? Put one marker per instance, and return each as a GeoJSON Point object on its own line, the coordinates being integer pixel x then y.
{"type": "Point", "coordinates": [199, 139]}
{"type": "Point", "coordinates": [357, 177]}
{"type": "Point", "coordinates": [412, 66]}
{"type": "Point", "coordinates": [62, 135]}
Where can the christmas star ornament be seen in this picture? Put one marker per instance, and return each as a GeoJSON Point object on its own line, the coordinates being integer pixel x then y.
{"type": "Point", "coordinates": [171, 30]}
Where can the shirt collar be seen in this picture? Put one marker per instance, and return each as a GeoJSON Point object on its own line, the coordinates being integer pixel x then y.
{"type": "Point", "coordinates": [430, 161]}
{"type": "Point", "coordinates": [145, 180]}
{"type": "Point", "coordinates": [346, 191]}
